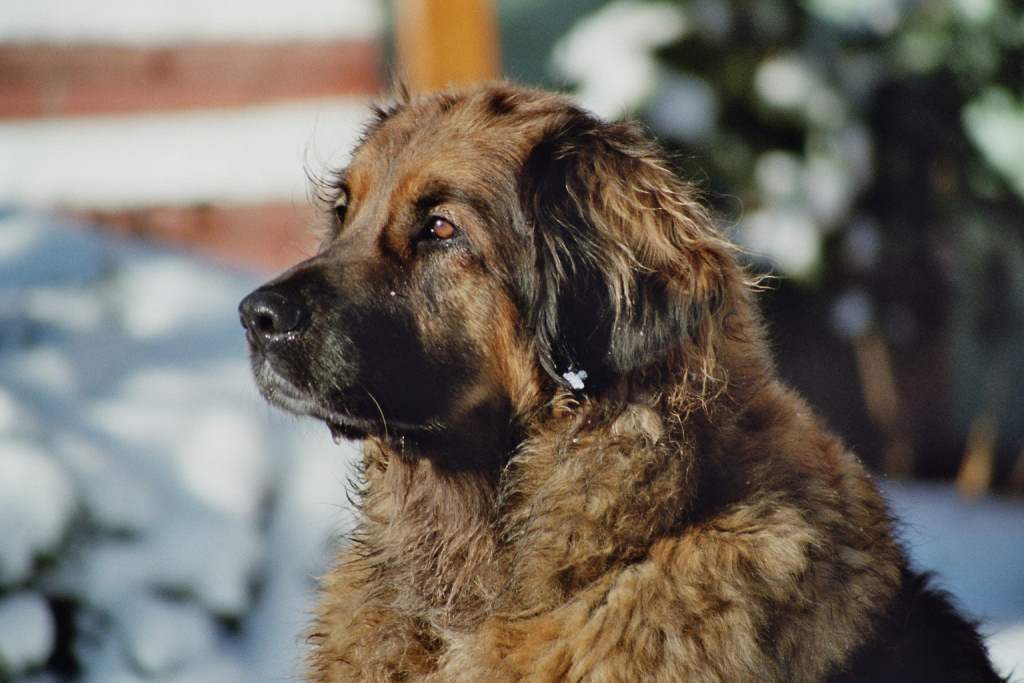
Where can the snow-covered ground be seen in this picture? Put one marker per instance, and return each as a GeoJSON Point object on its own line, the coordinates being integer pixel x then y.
{"type": "Point", "coordinates": [141, 476]}
{"type": "Point", "coordinates": [143, 480]}
{"type": "Point", "coordinates": [977, 550]}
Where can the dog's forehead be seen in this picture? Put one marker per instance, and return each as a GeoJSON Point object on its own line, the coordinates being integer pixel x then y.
{"type": "Point", "coordinates": [476, 132]}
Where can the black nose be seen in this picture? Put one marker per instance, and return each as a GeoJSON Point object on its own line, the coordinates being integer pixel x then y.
{"type": "Point", "coordinates": [268, 315]}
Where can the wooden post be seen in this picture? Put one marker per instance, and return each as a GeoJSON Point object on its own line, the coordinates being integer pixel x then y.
{"type": "Point", "coordinates": [975, 476]}
{"type": "Point", "coordinates": [878, 381]}
{"type": "Point", "coordinates": [445, 42]}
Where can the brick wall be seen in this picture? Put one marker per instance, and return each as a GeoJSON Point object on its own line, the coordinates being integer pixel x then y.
{"type": "Point", "coordinates": [49, 87]}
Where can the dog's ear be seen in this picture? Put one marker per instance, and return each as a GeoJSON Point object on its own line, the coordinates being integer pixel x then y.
{"type": "Point", "coordinates": [629, 273]}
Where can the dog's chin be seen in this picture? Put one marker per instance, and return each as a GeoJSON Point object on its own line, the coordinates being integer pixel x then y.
{"type": "Point", "coordinates": [282, 393]}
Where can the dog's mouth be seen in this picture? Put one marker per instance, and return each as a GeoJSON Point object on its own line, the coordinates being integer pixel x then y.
{"type": "Point", "coordinates": [282, 393]}
{"type": "Point", "coordinates": [342, 423]}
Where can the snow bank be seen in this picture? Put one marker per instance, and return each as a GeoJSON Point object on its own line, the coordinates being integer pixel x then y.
{"type": "Point", "coordinates": [181, 516]}
{"type": "Point", "coordinates": [36, 502]}
{"type": "Point", "coordinates": [26, 632]}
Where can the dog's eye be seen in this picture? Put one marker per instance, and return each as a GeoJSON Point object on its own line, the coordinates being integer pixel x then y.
{"type": "Point", "coordinates": [438, 228]}
{"type": "Point", "coordinates": [341, 206]}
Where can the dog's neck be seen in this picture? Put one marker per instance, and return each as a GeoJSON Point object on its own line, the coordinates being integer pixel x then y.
{"type": "Point", "coordinates": [530, 510]}
{"type": "Point", "coordinates": [427, 533]}
{"type": "Point", "coordinates": [454, 545]}
{"type": "Point", "coordinates": [457, 529]}
{"type": "Point", "coordinates": [454, 532]}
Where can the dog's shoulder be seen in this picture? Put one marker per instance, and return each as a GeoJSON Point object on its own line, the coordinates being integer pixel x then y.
{"type": "Point", "coordinates": [920, 639]}
{"type": "Point", "coordinates": [748, 540]}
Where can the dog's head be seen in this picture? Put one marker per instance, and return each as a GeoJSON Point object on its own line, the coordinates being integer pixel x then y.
{"type": "Point", "coordinates": [489, 249]}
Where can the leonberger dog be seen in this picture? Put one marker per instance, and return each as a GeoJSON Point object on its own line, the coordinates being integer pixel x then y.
{"type": "Point", "coordinates": [578, 462]}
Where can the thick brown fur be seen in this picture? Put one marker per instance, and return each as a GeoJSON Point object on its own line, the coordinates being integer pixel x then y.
{"type": "Point", "coordinates": [682, 517]}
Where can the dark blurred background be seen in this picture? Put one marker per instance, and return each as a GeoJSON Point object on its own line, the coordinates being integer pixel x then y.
{"type": "Point", "coordinates": [871, 154]}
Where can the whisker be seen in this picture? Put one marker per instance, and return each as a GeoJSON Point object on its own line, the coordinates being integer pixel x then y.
{"type": "Point", "coordinates": [383, 419]}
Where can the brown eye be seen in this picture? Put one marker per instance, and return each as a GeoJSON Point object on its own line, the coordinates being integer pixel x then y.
{"type": "Point", "coordinates": [439, 228]}
{"type": "Point", "coordinates": [341, 206]}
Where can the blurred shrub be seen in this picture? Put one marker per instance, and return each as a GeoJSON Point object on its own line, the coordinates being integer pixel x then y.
{"type": "Point", "coordinates": [872, 153]}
